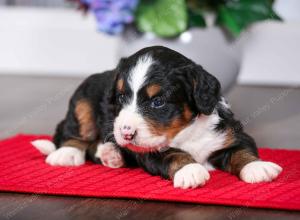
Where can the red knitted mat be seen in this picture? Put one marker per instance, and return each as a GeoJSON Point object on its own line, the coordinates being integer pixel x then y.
{"type": "Point", "coordinates": [22, 169]}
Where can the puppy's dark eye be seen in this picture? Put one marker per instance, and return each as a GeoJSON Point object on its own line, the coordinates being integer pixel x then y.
{"type": "Point", "coordinates": [122, 99]}
{"type": "Point", "coordinates": [157, 102]}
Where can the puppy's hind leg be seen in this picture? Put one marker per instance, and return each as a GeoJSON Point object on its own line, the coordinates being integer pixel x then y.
{"type": "Point", "coordinates": [74, 135]}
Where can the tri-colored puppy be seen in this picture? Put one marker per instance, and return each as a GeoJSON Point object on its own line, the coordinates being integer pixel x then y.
{"type": "Point", "coordinates": [164, 104]}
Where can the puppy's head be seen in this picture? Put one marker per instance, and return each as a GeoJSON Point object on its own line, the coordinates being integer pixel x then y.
{"type": "Point", "coordinates": [159, 92]}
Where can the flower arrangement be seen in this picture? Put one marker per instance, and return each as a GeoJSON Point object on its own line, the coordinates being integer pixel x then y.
{"type": "Point", "coordinates": [169, 18]}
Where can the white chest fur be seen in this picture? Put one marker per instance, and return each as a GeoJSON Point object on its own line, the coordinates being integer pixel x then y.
{"type": "Point", "coordinates": [200, 138]}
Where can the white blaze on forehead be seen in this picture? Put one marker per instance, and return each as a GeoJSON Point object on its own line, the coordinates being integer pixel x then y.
{"type": "Point", "coordinates": [138, 72]}
{"type": "Point", "coordinates": [137, 77]}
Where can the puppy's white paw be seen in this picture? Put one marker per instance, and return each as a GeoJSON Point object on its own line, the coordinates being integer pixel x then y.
{"type": "Point", "coordinates": [260, 171]}
{"type": "Point", "coordinates": [46, 147]}
{"type": "Point", "coordinates": [109, 155]}
{"type": "Point", "coordinates": [191, 176]}
{"type": "Point", "coordinates": [66, 156]}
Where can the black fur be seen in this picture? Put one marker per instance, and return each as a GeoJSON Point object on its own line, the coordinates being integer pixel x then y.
{"type": "Point", "coordinates": [95, 89]}
{"type": "Point", "coordinates": [220, 159]}
{"type": "Point", "coordinates": [206, 92]}
{"type": "Point", "coordinates": [183, 83]}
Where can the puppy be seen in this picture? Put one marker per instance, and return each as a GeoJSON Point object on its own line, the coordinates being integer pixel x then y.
{"type": "Point", "coordinates": [159, 110]}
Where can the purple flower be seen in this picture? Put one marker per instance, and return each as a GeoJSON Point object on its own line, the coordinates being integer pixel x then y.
{"type": "Point", "coordinates": [112, 15]}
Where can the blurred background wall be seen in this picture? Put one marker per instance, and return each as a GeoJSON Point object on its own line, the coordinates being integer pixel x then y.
{"type": "Point", "coordinates": [49, 37]}
{"type": "Point", "coordinates": [38, 3]}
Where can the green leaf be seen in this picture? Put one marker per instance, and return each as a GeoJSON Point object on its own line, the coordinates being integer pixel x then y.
{"type": "Point", "coordinates": [235, 16]}
{"type": "Point", "coordinates": [165, 18]}
{"type": "Point", "coordinates": [196, 18]}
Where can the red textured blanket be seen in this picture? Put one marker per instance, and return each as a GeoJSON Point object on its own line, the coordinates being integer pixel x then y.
{"type": "Point", "coordinates": [22, 169]}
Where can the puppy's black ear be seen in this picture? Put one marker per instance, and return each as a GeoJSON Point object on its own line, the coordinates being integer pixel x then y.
{"type": "Point", "coordinates": [206, 90]}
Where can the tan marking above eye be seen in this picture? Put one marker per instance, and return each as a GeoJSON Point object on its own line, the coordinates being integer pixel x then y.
{"type": "Point", "coordinates": [153, 89]}
{"type": "Point", "coordinates": [120, 85]}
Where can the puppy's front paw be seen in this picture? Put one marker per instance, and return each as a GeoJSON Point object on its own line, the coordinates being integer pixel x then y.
{"type": "Point", "coordinates": [191, 176]}
{"type": "Point", "coordinates": [66, 156]}
{"type": "Point", "coordinates": [109, 155]}
{"type": "Point", "coordinates": [260, 171]}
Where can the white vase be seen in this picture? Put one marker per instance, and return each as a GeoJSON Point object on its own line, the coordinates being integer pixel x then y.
{"type": "Point", "coordinates": [207, 47]}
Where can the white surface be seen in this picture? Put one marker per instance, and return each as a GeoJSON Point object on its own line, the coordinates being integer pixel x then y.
{"type": "Point", "coordinates": [64, 42]}
{"type": "Point", "coordinates": [288, 10]}
{"type": "Point", "coordinates": [271, 54]}
{"type": "Point", "coordinates": [52, 42]}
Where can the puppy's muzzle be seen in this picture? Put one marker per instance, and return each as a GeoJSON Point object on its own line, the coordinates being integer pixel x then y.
{"type": "Point", "coordinates": [128, 132]}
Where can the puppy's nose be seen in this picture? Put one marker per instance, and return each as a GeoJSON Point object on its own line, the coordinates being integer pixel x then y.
{"type": "Point", "coordinates": [128, 132]}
